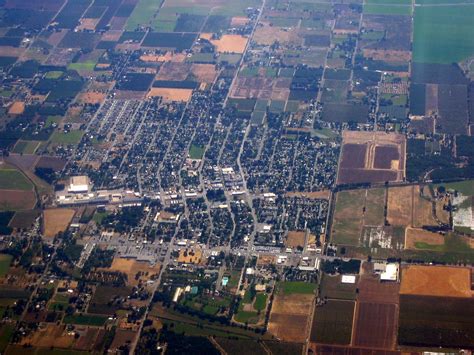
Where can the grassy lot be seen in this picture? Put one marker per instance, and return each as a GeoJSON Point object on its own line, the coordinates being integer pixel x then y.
{"type": "Point", "coordinates": [26, 147]}
{"type": "Point", "coordinates": [72, 137]}
{"type": "Point", "coordinates": [464, 187]}
{"type": "Point", "coordinates": [55, 74]}
{"type": "Point", "coordinates": [143, 13]}
{"type": "Point", "coordinates": [246, 317]}
{"type": "Point", "coordinates": [6, 332]}
{"type": "Point", "coordinates": [260, 301]}
{"type": "Point", "coordinates": [99, 217]}
{"type": "Point", "coordinates": [85, 319]}
{"type": "Point", "coordinates": [89, 65]}
{"type": "Point", "coordinates": [331, 287]}
{"type": "Point", "coordinates": [5, 261]}
{"type": "Point", "coordinates": [13, 179]}
{"type": "Point", "coordinates": [443, 34]}
{"type": "Point", "coordinates": [379, 9]}
{"type": "Point", "coordinates": [290, 287]}
{"type": "Point", "coordinates": [196, 151]}
{"type": "Point", "coordinates": [347, 217]}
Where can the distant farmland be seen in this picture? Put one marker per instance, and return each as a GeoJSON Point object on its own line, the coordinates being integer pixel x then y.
{"type": "Point", "coordinates": [437, 39]}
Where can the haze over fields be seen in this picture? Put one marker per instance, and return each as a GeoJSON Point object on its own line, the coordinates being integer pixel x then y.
{"type": "Point", "coordinates": [229, 177]}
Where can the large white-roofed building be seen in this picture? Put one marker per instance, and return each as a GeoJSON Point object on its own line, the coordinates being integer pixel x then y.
{"type": "Point", "coordinates": [79, 184]}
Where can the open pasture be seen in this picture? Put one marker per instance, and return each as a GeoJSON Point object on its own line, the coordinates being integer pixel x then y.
{"type": "Point", "coordinates": [291, 309]}
{"type": "Point", "coordinates": [17, 200]}
{"type": "Point", "coordinates": [333, 288]}
{"type": "Point", "coordinates": [56, 220]}
{"type": "Point", "coordinates": [442, 281]}
{"type": "Point", "coordinates": [348, 217]}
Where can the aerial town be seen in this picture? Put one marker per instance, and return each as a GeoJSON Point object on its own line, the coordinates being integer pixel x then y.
{"type": "Point", "coordinates": [236, 177]}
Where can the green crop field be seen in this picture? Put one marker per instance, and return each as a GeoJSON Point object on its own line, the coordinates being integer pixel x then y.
{"type": "Point", "coordinates": [290, 287]}
{"type": "Point", "coordinates": [89, 65]}
{"type": "Point", "coordinates": [5, 261]}
{"type": "Point", "coordinates": [55, 74]}
{"type": "Point", "coordinates": [72, 137]}
{"type": "Point", "coordinates": [143, 13]}
{"type": "Point", "coordinates": [12, 179]}
{"type": "Point", "coordinates": [260, 301]}
{"type": "Point", "coordinates": [26, 147]}
{"type": "Point", "coordinates": [85, 319]}
{"type": "Point", "coordinates": [443, 34]}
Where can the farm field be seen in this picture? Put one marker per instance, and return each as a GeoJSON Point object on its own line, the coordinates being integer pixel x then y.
{"type": "Point", "coordinates": [56, 220]}
{"type": "Point", "coordinates": [364, 157]}
{"type": "Point", "coordinates": [290, 312]}
{"type": "Point", "coordinates": [13, 179]}
{"type": "Point", "coordinates": [436, 321]}
{"type": "Point", "coordinates": [437, 40]}
{"type": "Point", "coordinates": [375, 325]}
{"type": "Point", "coordinates": [5, 261]}
{"type": "Point", "coordinates": [332, 322]}
{"type": "Point", "coordinates": [333, 288]}
{"type": "Point", "coordinates": [439, 281]}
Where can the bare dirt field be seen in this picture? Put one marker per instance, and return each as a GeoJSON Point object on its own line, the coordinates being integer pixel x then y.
{"type": "Point", "coordinates": [422, 209]}
{"type": "Point", "coordinates": [372, 157]}
{"type": "Point", "coordinates": [17, 200]}
{"type": "Point", "coordinates": [190, 256]}
{"type": "Point", "coordinates": [431, 103]}
{"type": "Point", "coordinates": [239, 21]}
{"type": "Point", "coordinates": [295, 239]}
{"type": "Point", "coordinates": [267, 35]}
{"type": "Point", "coordinates": [375, 325]}
{"type": "Point", "coordinates": [266, 259]}
{"type": "Point", "coordinates": [91, 97]}
{"type": "Point", "coordinates": [436, 281]}
{"type": "Point", "coordinates": [86, 341]}
{"type": "Point", "coordinates": [410, 206]}
{"type": "Point", "coordinates": [88, 24]}
{"type": "Point", "coordinates": [129, 95]}
{"type": "Point", "coordinates": [387, 55]}
{"type": "Point", "coordinates": [289, 317]}
{"type": "Point", "coordinates": [54, 163]}
{"type": "Point", "coordinates": [24, 219]}
{"type": "Point", "coordinates": [112, 36]}
{"type": "Point", "coordinates": [414, 236]}
{"type": "Point", "coordinates": [132, 267]}
{"type": "Point", "coordinates": [400, 205]}
{"type": "Point", "coordinates": [204, 72]}
{"type": "Point", "coordinates": [261, 87]}
{"type": "Point", "coordinates": [167, 57]}
{"type": "Point", "coordinates": [346, 350]}
{"type": "Point", "coordinates": [17, 108]}
{"type": "Point", "coordinates": [171, 94]}
{"type": "Point", "coordinates": [122, 337]}
{"type": "Point", "coordinates": [230, 44]}
{"type": "Point", "coordinates": [173, 71]}
{"type": "Point", "coordinates": [373, 291]}
{"type": "Point", "coordinates": [51, 335]}
{"type": "Point", "coordinates": [56, 220]}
